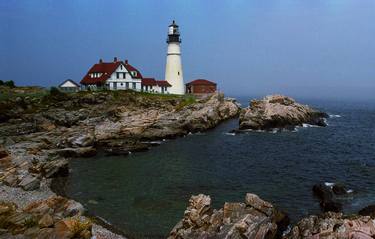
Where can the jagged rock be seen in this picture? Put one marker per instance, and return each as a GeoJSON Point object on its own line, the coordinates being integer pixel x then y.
{"type": "Point", "coordinates": [84, 140]}
{"type": "Point", "coordinates": [56, 205]}
{"type": "Point", "coordinates": [333, 225]}
{"type": "Point", "coordinates": [29, 182]}
{"type": "Point", "coordinates": [10, 180]}
{"type": "Point", "coordinates": [254, 219]}
{"type": "Point", "coordinates": [253, 200]}
{"type": "Point", "coordinates": [277, 111]}
{"type": "Point", "coordinates": [46, 221]}
{"type": "Point", "coordinates": [56, 168]}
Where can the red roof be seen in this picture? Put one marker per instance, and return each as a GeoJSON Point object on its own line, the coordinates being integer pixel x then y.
{"type": "Point", "coordinates": [131, 68]}
{"type": "Point", "coordinates": [107, 68]}
{"type": "Point", "coordinates": [201, 82]}
{"type": "Point", "coordinates": [148, 81]}
{"type": "Point", "coordinates": [163, 83]}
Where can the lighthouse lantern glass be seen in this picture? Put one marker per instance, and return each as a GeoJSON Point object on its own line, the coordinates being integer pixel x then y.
{"type": "Point", "coordinates": [170, 30]}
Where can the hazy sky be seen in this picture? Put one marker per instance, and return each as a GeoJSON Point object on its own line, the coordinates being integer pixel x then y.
{"type": "Point", "coordinates": [303, 48]}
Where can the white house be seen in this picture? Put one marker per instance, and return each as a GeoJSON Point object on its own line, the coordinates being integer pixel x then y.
{"type": "Point", "coordinates": [155, 86]}
{"type": "Point", "coordinates": [69, 86]}
{"type": "Point", "coordinates": [116, 75]}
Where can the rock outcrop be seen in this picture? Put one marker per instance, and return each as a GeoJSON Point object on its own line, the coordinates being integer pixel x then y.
{"type": "Point", "coordinates": [39, 135]}
{"type": "Point", "coordinates": [55, 217]}
{"type": "Point", "coordinates": [254, 218]}
{"type": "Point", "coordinates": [335, 226]}
{"type": "Point", "coordinates": [277, 111]}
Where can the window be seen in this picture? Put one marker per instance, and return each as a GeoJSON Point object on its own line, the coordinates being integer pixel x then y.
{"type": "Point", "coordinates": [134, 86]}
{"type": "Point", "coordinates": [134, 73]}
{"type": "Point", "coordinates": [121, 84]}
{"type": "Point", "coordinates": [178, 73]}
{"type": "Point", "coordinates": [124, 75]}
{"type": "Point", "coordinates": [118, 75]}
{"type": "Point", "coordinates": [114, 85]}
{"type": "Point", "coordinates": [121, 67]}
{"type": "Point", "coordinates": [127, 85]}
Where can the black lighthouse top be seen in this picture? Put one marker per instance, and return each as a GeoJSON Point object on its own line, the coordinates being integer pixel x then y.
{"type": "Point", "coordinates": [173, 33]}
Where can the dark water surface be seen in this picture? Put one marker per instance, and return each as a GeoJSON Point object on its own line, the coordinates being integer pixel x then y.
{"type": "Point", "coordinates": [145, 194]}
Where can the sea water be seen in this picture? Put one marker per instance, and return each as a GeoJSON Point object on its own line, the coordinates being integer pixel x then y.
{"type": "Point", "coordinates": [145, 194]}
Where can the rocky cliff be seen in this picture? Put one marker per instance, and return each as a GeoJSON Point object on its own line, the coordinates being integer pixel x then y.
{"type": "Point", "coordinates": [277, 111]}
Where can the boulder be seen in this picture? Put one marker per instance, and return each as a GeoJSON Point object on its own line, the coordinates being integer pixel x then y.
{"type": "Point", "coordinates": [10, 180]}
{"type": "Point", "coordinates": [29, 183]}
{"type": "Point", "coordinates": [329, 195]}
{"type": "Point", "coordinates": [46, 221]}
{"type": "Point", "coordinates": [277, 111]}
{"type": "Point", "coordinates": [255, 218]}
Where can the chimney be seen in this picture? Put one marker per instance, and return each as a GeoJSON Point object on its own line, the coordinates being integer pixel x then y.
{"type": "Point", "coordinates": [126, 62]}
{"type": "Point", "coordinates": [100, 60]}
{"type": "Point", "coordinates": [115, 59]}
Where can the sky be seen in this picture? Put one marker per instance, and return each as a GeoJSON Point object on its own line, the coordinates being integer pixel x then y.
{"type": "Point", "coordinates": [301, 48]}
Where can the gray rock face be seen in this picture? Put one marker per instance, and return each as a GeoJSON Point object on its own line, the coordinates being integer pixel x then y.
{"type": "Point", "coordinates": [254, 219]}
{"type": "Point", "coordinates": [277, 111]}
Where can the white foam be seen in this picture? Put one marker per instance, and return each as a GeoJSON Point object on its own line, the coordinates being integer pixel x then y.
{"type": "Point", "coordinates": [334, 116]}
{"type": "Point", "coordinates": [329, 184]}
{"type": "Point", "coordinates": [349, 191]}
{"type": "Point", "coordinates": [309, 126]}
{"type": "Point", "coordinates": [232, 134]}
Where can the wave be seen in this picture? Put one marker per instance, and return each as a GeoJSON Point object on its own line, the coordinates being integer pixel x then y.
{"type": "Point", "coordinates": [228, 133]}
{"type": "Point", "coordinates": [334, 116]}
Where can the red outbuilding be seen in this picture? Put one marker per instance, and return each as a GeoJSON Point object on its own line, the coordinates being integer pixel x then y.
{"type": "Point", "coordinates": [201, 86]}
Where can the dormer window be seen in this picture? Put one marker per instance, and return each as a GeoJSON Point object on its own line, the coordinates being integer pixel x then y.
{"type": "Point", "coordinates": [134, 73]}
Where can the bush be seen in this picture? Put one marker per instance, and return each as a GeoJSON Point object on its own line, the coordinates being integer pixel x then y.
{"type": "Point", "coordinates": [1, 82]}
{"type": "Point", "coordinates": [9, 83]}
{"type": "Point", "coordinates": [54, 91]}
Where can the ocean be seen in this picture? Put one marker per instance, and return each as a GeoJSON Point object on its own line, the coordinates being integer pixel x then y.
{"type": "Point", "coordinates": [145, 194]}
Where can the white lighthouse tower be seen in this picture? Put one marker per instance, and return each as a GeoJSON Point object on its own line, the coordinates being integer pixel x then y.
{"type": "Point", "coordinates": [173, 69]}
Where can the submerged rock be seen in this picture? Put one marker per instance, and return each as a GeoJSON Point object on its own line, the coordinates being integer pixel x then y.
{"type": "Point", "coordinates": [255, 218]}
{"type": "Point", "coordinates": [277, 111]}
{"type": "Point", "coordinates": [328, 195]}
{"type": "Point", "coordinates": [368, 211]}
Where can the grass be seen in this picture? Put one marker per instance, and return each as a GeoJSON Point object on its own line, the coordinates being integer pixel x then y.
{"type": "Point", "coordinates": [186, 101]}
{"type": "Point", "coordinates": [7, 93]}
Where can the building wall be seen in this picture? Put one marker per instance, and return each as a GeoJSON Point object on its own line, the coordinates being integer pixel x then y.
{"type": "Point", "coordinates": [122, 83]}
{"type": "Point", "coordinates": [202, 89]}
{"type": "Point", "coordinates": [156, 89]}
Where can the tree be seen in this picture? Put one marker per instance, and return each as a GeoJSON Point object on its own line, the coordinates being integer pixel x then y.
{"type": "Point", "coordinates": [1, 82]}
{"type": "Point", "coordinates": [9, 83]}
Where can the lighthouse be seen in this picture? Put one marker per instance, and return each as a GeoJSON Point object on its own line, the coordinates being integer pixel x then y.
{"type": "Point", "coordinates": [173, 69]}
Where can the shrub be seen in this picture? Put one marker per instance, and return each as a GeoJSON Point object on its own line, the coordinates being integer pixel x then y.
{"type": "Point", "coordinates": [9, 83]}
{"type": "Point", "coordinates": [54, 91]}
{"type": "Point", "coordinates": [1, 82]}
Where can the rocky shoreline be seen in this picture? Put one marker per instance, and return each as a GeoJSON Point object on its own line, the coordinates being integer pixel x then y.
{"type": "Point", "coordinates": [39, 135]}
{"type": "Point", "coordinates": [256, 218]}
